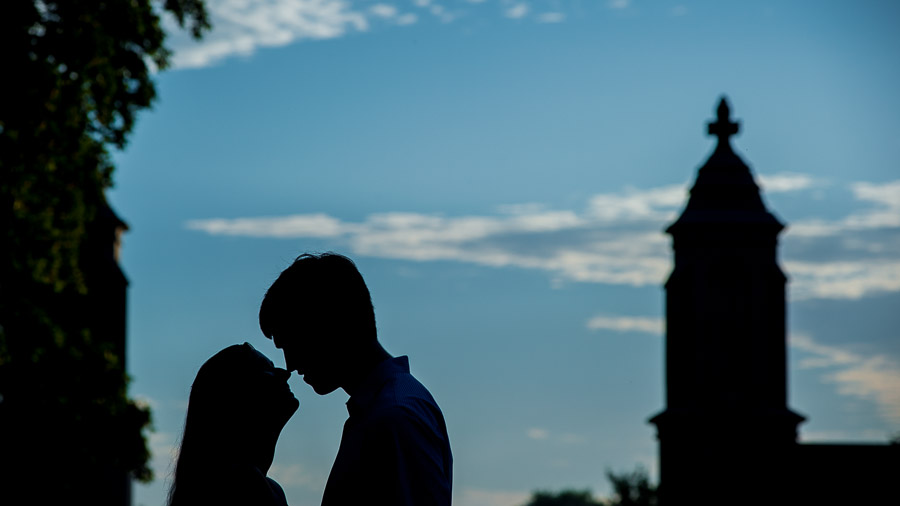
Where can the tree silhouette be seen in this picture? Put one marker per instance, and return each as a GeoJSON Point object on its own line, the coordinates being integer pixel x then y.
{"type": "Point", "coordinates": [76, 73]}
{"type": "Point", "coordinates": [630, 489]}
{"type": "Point", "coordinates": [564, 498]}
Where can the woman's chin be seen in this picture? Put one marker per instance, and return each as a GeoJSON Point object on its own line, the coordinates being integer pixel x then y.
{"type": "Point", "coordinates": [294, 405]}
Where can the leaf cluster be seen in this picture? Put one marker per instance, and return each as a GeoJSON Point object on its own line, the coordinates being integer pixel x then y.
{"type": "Point", "coordinates": [75, 75]}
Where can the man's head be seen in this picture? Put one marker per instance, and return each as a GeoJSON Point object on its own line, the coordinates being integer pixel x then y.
{"type": "Point", "coordinates": [319, 313]}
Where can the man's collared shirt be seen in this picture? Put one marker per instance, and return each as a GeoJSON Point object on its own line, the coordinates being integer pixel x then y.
{"type": "Point", "coordinates": [395, 449]}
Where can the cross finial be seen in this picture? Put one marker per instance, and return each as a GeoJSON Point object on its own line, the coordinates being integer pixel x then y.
{"type": "Point", "coordinates": [723, 128]}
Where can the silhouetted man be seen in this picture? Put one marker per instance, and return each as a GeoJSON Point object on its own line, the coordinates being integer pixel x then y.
{"type": "Point", "coordinates": [394, 449]}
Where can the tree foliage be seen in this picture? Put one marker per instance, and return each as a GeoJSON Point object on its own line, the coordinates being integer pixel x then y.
{"type": "Point", "coordinates": [75, 75]}
{"type": "Point", "coordinates": [564, 498]}
{"type": "Point", "coordinates": [630, 489]}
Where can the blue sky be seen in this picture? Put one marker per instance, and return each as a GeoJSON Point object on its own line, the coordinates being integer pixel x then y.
{"type": "Point", "coordinates": [502, 173]}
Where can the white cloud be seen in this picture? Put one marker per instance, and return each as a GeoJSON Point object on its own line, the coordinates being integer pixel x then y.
{"type": "Point", "coordinates": [163, 452]}
{"type": "Point", "coordinates": [785, 182]}
{"type": "Point", "coordinates": [406, 19]}
{"type": "Point", "coordinates": [868, 263]}
{"type": "Point", "coordinates": [843, 435]}
{"type": "Point", "coordinates": [240, 27]}
{"type": "Point", "coordinates": [884, 212]}
{"type": "Point", "coordinates": [551, 17]}
{"type": "Point", "coordinates": [436, 10]}
{"type": "Point", "coordinates": [842, 279]}
{"type": "Point", "coordinates": [655, 204]}
{"type": "Point", "coordinates": [383, 10]}
{"type": "Point", "coordinates": [679, 10]}
{"type": "Point", "coordinates": [616, 239]}
{"type": "Point", "coordinates": [390, 12]}
{"type": "Point", "coordinates": [146, 402]}
{"type": "Point", "coordinates": [569, 438]}
{"type": "Point", "coordinates": [886, 197]}
{"type": "Point", "coordinates": [621, 257]}
{"type": "Point", "coordinates": [874, 378]}
{"type": "Point", "coordinates": [303, 225]}
{"type": "Point", "coordinates": [517, 11]}
{"type": "Point", "coordinates": [536, 433]}
{"type": "Point", "coordinates": [821, 355]}
{"type": "Point", "coordinates": [618, 4]}
{"type": "Point", "coordinates": [480, 497]}
{"type": "Point", "coordinates": [646, 324]}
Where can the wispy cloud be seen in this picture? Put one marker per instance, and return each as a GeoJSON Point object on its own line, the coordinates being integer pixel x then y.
{"type": "Point", "coordinates": [654, 204]}
{"type": "Point", "coordinates": [241, 27]}
{"type": "Point", "coordinates": [614, 239]}
{"type": "Point", "coordinates": [785, 182]}
{"type": "Point", "coordinates": [874, 378]}
{"type": "Point", "coordinates": [551, 17]}
{"type": "Point", "coordinates": [537, 433]}
{"type": "Point", "coordinates": [576, 247]}
{"type": "Point", "coordinates": [300, 225]}
{"type": "Point", "coordinates": [863, 246]}
{"type": "Point", "coordinates": [842, 279]}
{"type": "Point", "coordinates": [383, 10]}
{"type": "Point", "coordinates": [517, 11]}
{"type": "Point", "coordinates": [809, 436]}
{"type": "Point", "coordinates": [441, 13]}
{"type": "Point", "coordinates": [406, 19]}
{"type": "Point", "coordinates": [163, 451]}
{"type": "Point", "coordinates": [618, 4]}
{"type": "Point", "coordinates": [883, 200]}
{"type": "Point", "coordinates": [643, 324]}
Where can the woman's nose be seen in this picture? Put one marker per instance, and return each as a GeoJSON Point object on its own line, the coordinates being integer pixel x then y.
{"type": "Point", "coordinates": [282, 374]}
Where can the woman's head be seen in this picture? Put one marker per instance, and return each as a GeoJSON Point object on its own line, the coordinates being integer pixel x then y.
{"type": "Point", "coordinates": [239, 388]}
{"type": "Point", "coordinates": [239, 403]}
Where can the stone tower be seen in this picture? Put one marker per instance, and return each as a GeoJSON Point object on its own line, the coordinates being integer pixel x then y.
{"type": "Point", "coordinates": [726, 413]}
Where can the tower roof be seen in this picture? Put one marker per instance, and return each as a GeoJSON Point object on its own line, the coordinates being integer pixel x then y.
{"type": "Point", "coordinates": [724, 191]}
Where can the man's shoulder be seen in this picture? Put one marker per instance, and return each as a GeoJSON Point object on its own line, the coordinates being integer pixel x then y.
{"type": "Point", "coordinates": [404, 398]}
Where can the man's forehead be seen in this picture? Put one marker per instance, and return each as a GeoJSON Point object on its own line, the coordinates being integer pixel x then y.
{"type": "Point", "coordinates": [300, 326]}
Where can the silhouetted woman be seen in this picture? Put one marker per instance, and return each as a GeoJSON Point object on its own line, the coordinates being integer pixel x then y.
{"type": "Point", "coordinates": [238, 405]}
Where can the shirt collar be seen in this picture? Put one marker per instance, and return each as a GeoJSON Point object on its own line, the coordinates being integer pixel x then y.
{"type": "Point", "coordinates": [368, 390]}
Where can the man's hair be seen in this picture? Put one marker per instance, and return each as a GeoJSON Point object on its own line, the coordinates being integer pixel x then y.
{"type": "Point", "coordinates": [324, 285]}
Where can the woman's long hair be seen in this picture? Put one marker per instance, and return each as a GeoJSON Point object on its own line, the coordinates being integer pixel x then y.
{"type": "Point", "coordinates": [216, 417]}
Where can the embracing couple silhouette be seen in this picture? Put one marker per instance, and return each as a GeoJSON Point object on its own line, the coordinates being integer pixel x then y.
{"type": "Point", "coordinates": [394, 449]}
